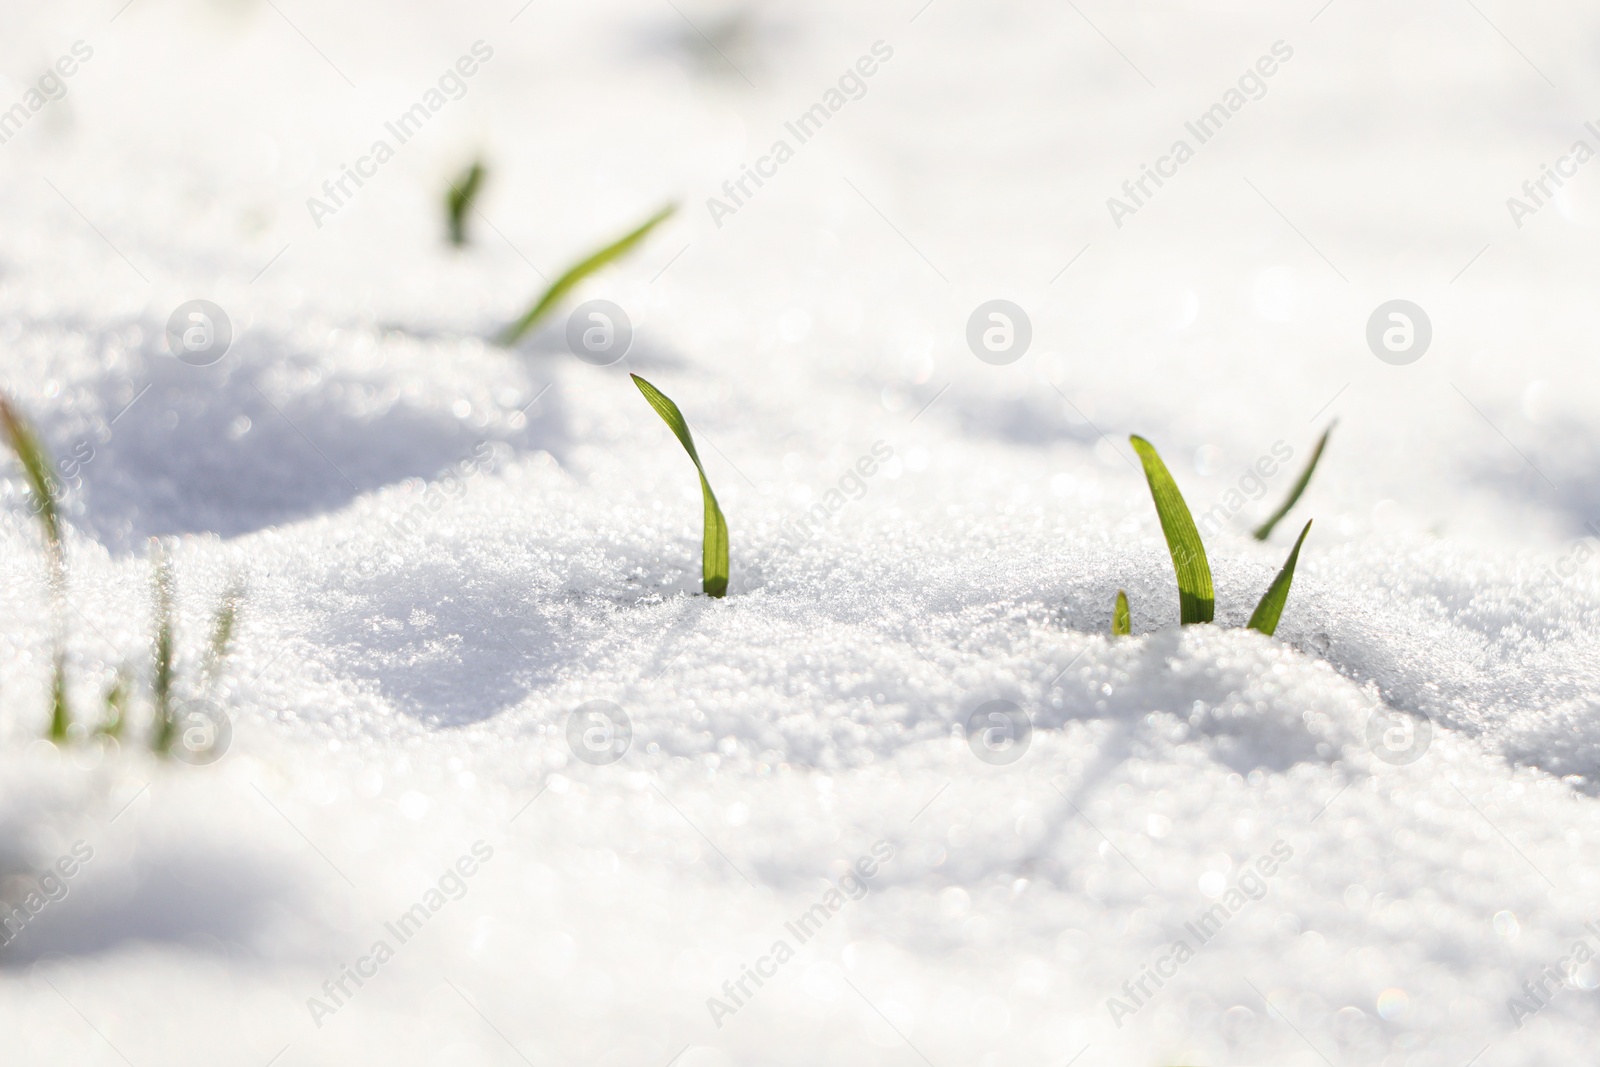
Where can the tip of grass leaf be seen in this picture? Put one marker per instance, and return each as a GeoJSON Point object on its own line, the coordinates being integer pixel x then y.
{"type": "Point", "coordinates": [1264, 531]}
{"type": "Point", "coordinates": [1121, 619]}
{"type": "Point", "coordinates": [37, 469]}
{"type": "Point", "coordinates": [578, 272]}
{"type": "Point", "coordinates": [463, 193]}
{"type": "Point", "coordinates": [1270, 610]}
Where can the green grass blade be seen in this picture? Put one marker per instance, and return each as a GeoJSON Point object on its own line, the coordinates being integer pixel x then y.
{"type": "Point", "coordinates": [714, 551]}
{"type": "Point", "coordinates": [1264, 531]}
{"type": "Point", "coordinates": [463, 193]}
{"type": "Point", "coordinates": [116, 705]}
{"type": "Point", "coordinates": [1196, 599]}
{"type": "Point", "coordinates": [222, 627]}
{"type": "Point", "coordinates": [578, 272]}
{"type": "Point", "coordinates": [60, 713]}
{"type": "Point", "coordinates": [36, 468]}
{"type": "Point", "coordinates": [1270, 610]}
{"type": "Point", "coordinates": [1121, 619]}
{"type": "Point", "coordinates": [166, 727]}
{"type": "Point", "coordinates": [38, 471]}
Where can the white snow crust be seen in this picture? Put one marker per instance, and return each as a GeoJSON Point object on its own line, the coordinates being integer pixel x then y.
{"type": "Point", "coordinates": [403, 678]}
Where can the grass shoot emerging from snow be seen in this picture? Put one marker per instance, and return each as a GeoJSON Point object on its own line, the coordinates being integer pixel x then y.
{"type": "Point", "coordinates": [458, 202]}
{"type": "Point", "coordinates": [165, 728]}
{"type": "Point", "coordinates": [578, 272]}
{"type": "Point", "coordinates": [222, 627]}
{"type": "Point", "coordinates": [24, 442]}
{"type": "Point", "coordinates": [1121, 618]}
{"type": "Point", "coordinates": [714, 549]}
{"type": "Point", "coordinates": [36, 469]}
{"type": "Point", "coordinates": [1270, 610]}
{"type": "Point", "coordinates": [1196, 598]}
{"type": "Point", "coordinates": [20, 436]}
{"type": "Point", "coordinates": [1264, 531]}
{"type": "Point", "coordinates": [116, 705]}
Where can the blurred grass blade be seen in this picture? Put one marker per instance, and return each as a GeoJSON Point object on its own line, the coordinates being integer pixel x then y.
{"type": "Point", "coordinates": [1121, 620]}
{"type": "Point", "coordinates": [1270, 610]}
{"type": "Point", "coordinates": [463, 193]}
{"type": "Point", "coordinates": [38, 471]}
{"type": "Point", "coordinates": [578, 272]}
{"type": "Point", "coordinates": [222, 627]}
{"type": "Point", "coordinates": [116, 709]}
{"type": "Point", "coordinates": [1264, 531]}
{"type": "Point", "coordinates": [165, 726]}
{"type": "Point", "coordinates": [714, 551]}
{"type": "Point", "coordinates": [60, 714]}
{"type": "Point", "coordinates": [24, 441]}
{"type": "Point", "coordinates": [1196, 599]}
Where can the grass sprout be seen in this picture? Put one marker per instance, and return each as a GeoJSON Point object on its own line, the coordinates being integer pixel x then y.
{"type": "Point", "coordinates": [578, 272]}
{"type": "Point", "coordinates": [165, 731]}
{"type": "Point", "coordinates": [1196, 598]}
{"type": "Point", "coordinates": [24, 442]}
{"type": "Point", "coordinates": [714, 548]}
{"type": "Point", "coordinates": [1121, 618]}
{"type": "Point", "coordinates": [116, 705]}
{"type": "Point", "coordinates": [223, 624]}
{"type": "Point", "coordinates": [458, 202]}
{"type": "Point", "coordinates": [60, 712]}
{"type": "Point", "coordinates": [1270, 610]}
{"type": "Point", "coordinates": [1264, 531]}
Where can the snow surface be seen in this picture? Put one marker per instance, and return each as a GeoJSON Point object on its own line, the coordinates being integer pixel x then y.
{"type": "Point", "coordinates": [400, 693]}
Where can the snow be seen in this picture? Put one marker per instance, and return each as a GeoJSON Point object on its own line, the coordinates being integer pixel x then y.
{"type": "Point", "coordinates": [449, 547]}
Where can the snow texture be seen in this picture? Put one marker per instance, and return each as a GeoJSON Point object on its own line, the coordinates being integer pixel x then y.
{"type": "Point", "coordinates": [448, 547]}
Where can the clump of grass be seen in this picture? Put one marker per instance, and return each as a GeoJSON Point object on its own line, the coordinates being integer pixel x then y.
{"type": "Point", "coordinates": [714, 545]}
{"type": "Point", "coordinates": [24, 443]}
{"type": "Point", "coordinates": [1196, 599]}
{"type": "Point", "coordinates": [167, 724]}
{"type": "Point", "coordinates": [578, 272]}
{"type": "Point", "coordinates": [1264, 531]}
{"type": "Point", "coordinates": [459, 201]}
